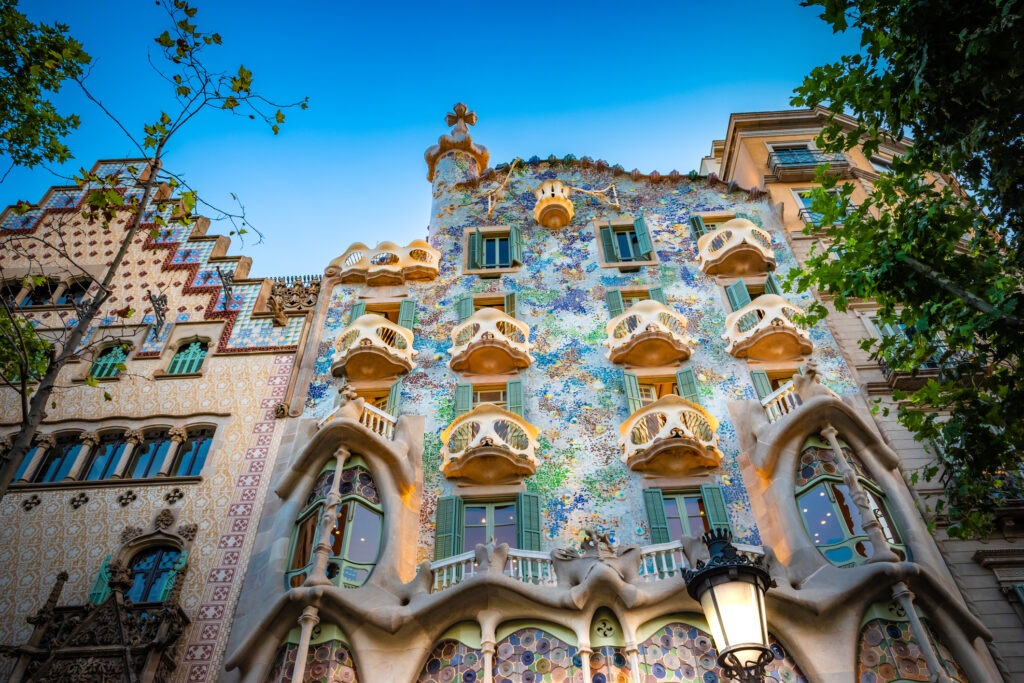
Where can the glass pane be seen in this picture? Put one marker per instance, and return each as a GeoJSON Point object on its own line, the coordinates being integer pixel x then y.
{"type": "Point", "coordinates": [338, 532]}
{"type": "Point", "coordinates": [304, 542]}
{"type": "Point", "coordinates": [364, 535]}
{"type": "Point", "coordinates": [648, 394]}
{"type": "Point", "coordinates": [505, 525]}
{"type": "Point", "coordinates": [675, 524]}
{"type": "Point", "coordinates": [503, 255]}
{"type": "Point", "coordinates": [475, 529]}
{"type": "Point", "coordinates": [696, 519]}
{"type": "Point", "coordinates": [625, 245]}
{"type": "Point", "coordinates": [820, 516]}
{"type": "Point", "coordinates": [851, 515]}
{"type": "Point", "coordinates": [490, 252]}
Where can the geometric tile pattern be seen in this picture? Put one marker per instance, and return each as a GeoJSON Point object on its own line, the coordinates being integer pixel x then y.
{"type": "Point", "coordinates": [888, 652]}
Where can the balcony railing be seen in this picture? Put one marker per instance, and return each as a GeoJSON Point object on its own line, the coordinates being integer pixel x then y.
{"type": "Point", "coordinates": [648, 334]}
{"type": "Point", "coordinates": [373, 347]}
{"type": "Point", "coordinates": [670, 437]}
{"type": "Point", "coordinates": [489, 445]}
{"type": "Point", "coordinates": [781, 402]}
{"type": "Point", "coordinates": [801, 164]}
{"type": "Point", "coordinates": [736, 248]}
{"type": "Point", "coordinates": [490, 342]}
{"type": "Point", "coordinates": [376, 420]}
{"type": "Point", "coordinates": [387, 263]}
{"type": "Point", "coordinates": [765, 329]}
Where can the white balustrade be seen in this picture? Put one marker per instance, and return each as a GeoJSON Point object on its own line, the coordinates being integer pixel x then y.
{"type": "Point", "coordinates": [387, 263]}
{"type": "Point", "coordinates": [489, 445]}
{"type": "Point", "coordinates": [662, 561]}
{"type": "Point", "coordinates": [501, 342]}
{"type": "Point", "coordinates": [670, 436]}
{"type": "Point", "coordinates": [378, 335]}
{"type": "Point", "coordinates": [648, 333]}
{"type": "Point", "coordinates": [782, 401]}
{"type": "Point", "coordinates": [748, 330]}
{"type": "Point", "coordinates": [373, 418]}
{"type": "Point", "coordinates": [737, 247]}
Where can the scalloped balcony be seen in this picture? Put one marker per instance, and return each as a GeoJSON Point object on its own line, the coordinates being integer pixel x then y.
{"type": "Point", "coordinates": [764, 330]}
{"type": "Point", "coordinates": [736, 248]}
{"type": "Point", "coordinates": [670, 437]}
{"type": "Point", "coordinates": [648, 334]}
{"type": "Point", "coordinates": [387, 264]}
{"type": "Point", "coordinates": [489, 445]}
{"type": "Point", "coordinates": [554, 209]}
{"type": "Point", "coordinates": [490, 342]}
{"type": "Point", "coordinates": [373, 347]}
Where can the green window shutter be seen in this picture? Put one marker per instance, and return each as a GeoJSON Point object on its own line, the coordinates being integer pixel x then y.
{"type": "Point", "coordinates": [1018, 589]}
{"type": "Point", "coordinates": [101, 589]}
{"type": "Point", "coordinates": [448, 527]}
{"type": "Point", "coordinates": [358, 310]}
{"type": "Point", "coordinates": [515, 245]}
{"type": "Point", "coordinates": [772, 285]}
{"type": "Point", "coordinates": [472, 250]}
{"type": "Point", "coordinates": [657, 294]}
{"type": "Point", "coordinates": [478, 253]}
{"type": "Point", "coordinates": [656, 516]}
{"type": "Point", "coordinates": [615, 305]}
{"type": "Point", "coordinates": [511, 305]}
{"type": "Point", "coordinates": [714, 506]}
{"type": "Point", "coordinates": [514, 393]}
{"type": "Point", "coordinates": [407, 313]}
{"type": "Point", "coordinates": [697, 227]}
{"type": "Point", "coordinates": [643, 236]}
{"type": "Point", "coordinates": [463, 399]}
{"type": "Point", "coordinates": [395, 398]}
{"type": "Point", "coordinates": [611, 252]}
{"type": "Point", "coordinates": [173, 576]}
{"type": "Point", "coordinates": [686, 381]}
{"type": "Point", "coordinates": [464, 307]}
{"type": "Point", "coordinates": [762, 385]}
{"type": "Point", "coordinates": [528, 517]}
{"type": "Point", "coordinates": [738, 295]}
{"type": "Point", "coordinates": [632, 387]}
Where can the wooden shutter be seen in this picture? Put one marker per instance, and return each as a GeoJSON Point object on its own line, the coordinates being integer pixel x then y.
{"type": "Point", "coordinates": [395, 398]}
{"type": "Point", "coordinates": [471, 250]}
{"type": "Point", "coordinates": [464, 307]}
{"type": "Point", "coordinates": [697, 227]}
{"type": "Point", "coordinates": [1018, 589]}
{"type": "Point", "coordinates": [514, 394]}
{"type": "Point", "coordinates": [407, 313]}
{"type": "Point", "coordinates": [358, 310]}
{"type": "Point", "coordinates": [714, 506]}
{"type": "Point", "coordinates": [463, 398]}
{"type": "Point", "coordinates": [611, 251]}
{"type": "Point", "coordinates": [656, 516]}
{"type": "Point", "coordinates": [738, 295]}
{"type": "Point", "coordinates": [172, 577]}
{"type": "Point", "coordinates": [762, 385]}
{"type": "Point", "coordinates": [686, 382]}
{"type": "Point", "coordinates": [615, 305]}
{"type": "Point", "coordinates": [515, 245]}
{"type": "Point", "coordinates": [632, 388]}
{"type": "Point", "coordinates": [657, 294]}
{"type": "Point", "coordinates": [101, 589]}
{"type": "Point", "coordinates": [448, 527]}
{"type": "Point", "coordinates": [772, 285]}
{"type": "Point", "coordinates": [478, 253]}
{"type": "Point", "coordinates": [643, 237]}
{"type": "Point", "coordinates": [511, 305]}
{"type": "Point", "coordinates": [528, 521]}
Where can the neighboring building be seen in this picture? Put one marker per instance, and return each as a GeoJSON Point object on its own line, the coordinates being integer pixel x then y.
{"type": "Point", "coordinates": [157, 489]}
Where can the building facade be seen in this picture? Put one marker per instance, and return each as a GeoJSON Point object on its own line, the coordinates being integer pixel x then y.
{"type": "Point", "coordinates": [490, 455]}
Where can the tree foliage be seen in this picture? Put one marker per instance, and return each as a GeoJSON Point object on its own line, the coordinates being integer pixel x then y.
{"type": "Point", "coordinates": [938, 243]}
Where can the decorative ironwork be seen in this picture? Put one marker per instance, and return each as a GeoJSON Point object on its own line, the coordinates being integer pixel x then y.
{"type": "Point", "coordinates": [159, 303]}
{"type": "Point", "coordinates": [227, 281]}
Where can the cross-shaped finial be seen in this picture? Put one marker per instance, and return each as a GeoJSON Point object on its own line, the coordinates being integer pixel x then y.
{"type": "Point", "coordinates": [461, 118]}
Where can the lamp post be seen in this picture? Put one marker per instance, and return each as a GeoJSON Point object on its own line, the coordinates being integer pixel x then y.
{"type": "Point", "coordinates": [730, 588]}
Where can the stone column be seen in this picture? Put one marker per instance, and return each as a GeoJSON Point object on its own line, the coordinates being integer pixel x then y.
{"type": "Point", "coordinates": [178, 435]}
{"type": "Point", "coordinates": [43, 443]}
{"type": "Point", "coordinates": [902, 594]}
{"type": "Point", "coordinates": [487, 647]}
{"type": "Point", "coordinates": [133, 438]}
{"type": "Point", "coordinates": [307, 620]}
{"type": "Point", "coordinates": [322, 550]}
{"type": "Point", "coordinates": [880, 547]}
{"type": "Point", "coordinates": [585, 654]}
{"type": "Point", "coordinates": [89, 442]}
{"type": "Point", "coordinates": [633, 653]}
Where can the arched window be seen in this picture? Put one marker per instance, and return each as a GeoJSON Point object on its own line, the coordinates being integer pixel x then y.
{"type": "Point", "coordinates": [110, 361]}
{"type": "Point", "coordinates": [355, 539]}
{"type": "Point", "coordinates": [22, 472]}
{"type": "Point", "coordinates": [105, 456]}
{"type": "Point", "coordinates": [58, 460]}
{"type": "Point", "coordinates": [10, 290]}
{"type": "Point", "coordinates": [188, 358]}
{"type": "Point", "coordinates": [833, 520]}
{"type": "Point", "coordinates": [153, 573]}
{"type": "Point", "coordinates": [40, 294]}
{"type": "Point", "coordinates": [73, 293]}
{"type": "Point", "coordinates": [192, 453]}
{"type": "Point", "coordinates": [148, 455]}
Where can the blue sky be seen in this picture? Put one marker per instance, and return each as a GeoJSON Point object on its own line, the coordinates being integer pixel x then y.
{"type": "Point", "coordinates": [645, 85]}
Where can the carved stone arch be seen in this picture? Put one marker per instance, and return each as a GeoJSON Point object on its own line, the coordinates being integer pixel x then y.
{"type": "Point", "coordinates": [135, 540]}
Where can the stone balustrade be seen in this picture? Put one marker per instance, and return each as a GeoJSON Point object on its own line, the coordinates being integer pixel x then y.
{"type": "Point", "coordinates": [489, 445]}
{"type": "Point", "coordinates": [781, 402]}
{"type": "Point", "coordinates": [490, 342]}
{"type": "Point", "coordinates": [376, 420]}
{"type": "Point", "coordinates": [372, 347]}
{"type": "Point", "coordinates": [736, 248]}
{"type": "Point", "coordinates": [648, 334]}
{"type": "Point", "coordinates": [765, 329]}
{"type": "Point", "coordinates": [670, 437]}
{"type": "Point", "coordinates": [386, 264]}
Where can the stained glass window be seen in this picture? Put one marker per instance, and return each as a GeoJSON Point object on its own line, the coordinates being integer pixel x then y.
{"type": "Point", "coordinates": [58, 460]}
{"type": "Point", "coordinates": [105, 456]}
{"type": "Point", "coordinates": [149, 455]}
{"type": "Point", "coordinates": [151, 570]}
{"type": "Point", "coordinates": [192, 452]}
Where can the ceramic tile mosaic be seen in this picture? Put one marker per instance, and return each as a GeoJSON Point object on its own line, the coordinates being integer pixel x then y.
{"type": "Point", "coordinates": [328, 662]}
{"type": "Point", "coordinates": [573, 393]}
{"type": "Point", "coordinates": [452, 662]}
{"type": "Point", "coordinates": [888, 652]}
{"type": "Point", "coordinates": [534, 656]}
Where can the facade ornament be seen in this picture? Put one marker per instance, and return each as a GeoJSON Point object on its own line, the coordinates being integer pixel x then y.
{"type": "Point", "coordinates": [288, 295]}
{"type": "Point", "coordinates": [459, 140]}
{"type": "Point", "coordinates": [79, 500]}
{"type": "Point", "coordinates": [274, 306]}
{"type": "Point", "coordinates": [129, 533]}
{"type": "Point", "coordinates": [134, 436]}
{"type": "Point", "coordinates": [30, 502]}
{"type": "Point", "coordinates": [164, 520]}
{"type": "Point", "coordinates": [177, 434]}
{"type": "Point", "coordinates": [46, 441]}
{"type": "Point", "coordinates": [126, 498]}
{"type": "Point", "coordinates": [174, 495]}
{"type": "Point", "coordinates": [188, 531]}
{"type": "Point", "coordinates": [90, 439]}
{"type": "Point", "coordinates": [120, 576]}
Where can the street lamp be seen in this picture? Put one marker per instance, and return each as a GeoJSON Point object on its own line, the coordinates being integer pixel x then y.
{"type": "Point", "coordinates": [730, 588]}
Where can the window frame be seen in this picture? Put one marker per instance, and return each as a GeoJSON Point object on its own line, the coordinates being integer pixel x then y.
{"type": "Point", "coordinates": [126, 348]}
{"type": "Point", "coordinates": [469, 237]}
{"type": "Point", "coordinates": [620, 225]}
{"type": "Point", "coordinates": [185, 347]}
{"type": "Point", "coordinates": [110, 467]}
{"type": "Point", "coordinates": [207, 432]}
{"type": "Point", "coordinates": [161, 435]}
{"type": "Point", "coordinates": [59, 459]}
